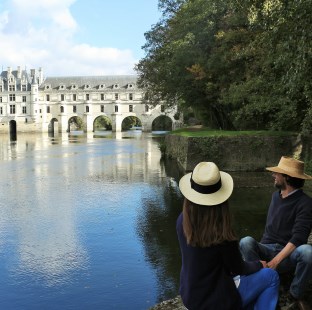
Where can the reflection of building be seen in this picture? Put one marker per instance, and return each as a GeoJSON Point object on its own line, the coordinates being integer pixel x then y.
{"type": "Point", "coordinates": [32, 103]}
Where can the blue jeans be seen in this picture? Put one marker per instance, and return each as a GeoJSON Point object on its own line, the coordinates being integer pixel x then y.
{"type": "Point", "coordinates": [259, 291]}
{"type": "Point", "coordinates": [299, 261]}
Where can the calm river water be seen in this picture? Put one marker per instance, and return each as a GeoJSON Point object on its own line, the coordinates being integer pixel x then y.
{"type": "Point", "coordinates": [88, 221]}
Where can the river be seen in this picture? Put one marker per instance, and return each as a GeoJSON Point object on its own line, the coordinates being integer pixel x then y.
{"type": "Point", "coordinates": [87, 221]}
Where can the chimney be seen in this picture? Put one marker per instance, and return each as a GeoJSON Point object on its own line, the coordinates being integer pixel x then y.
{"type": "Point", "coordinates": [9, 71]}
{"type": "Point", "coordinates": [32, 72]}
{"type": "Point", "coordinates": [19, 73]}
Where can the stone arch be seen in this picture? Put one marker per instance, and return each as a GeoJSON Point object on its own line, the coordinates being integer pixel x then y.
{"type": "Point", "coordinates": [131, 121]}
{"type": "Point", "coordinates": [53, 125]}
{"type": "Point", "coordinates": [76, 123]}
{"type": "Point", "coordinates": [102, 122]}
{"type": "Point", "coordinates": [162, 123]}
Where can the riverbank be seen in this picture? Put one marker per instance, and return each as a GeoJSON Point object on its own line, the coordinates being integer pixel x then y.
{"type": "Point", "coordinates": [238, 151]}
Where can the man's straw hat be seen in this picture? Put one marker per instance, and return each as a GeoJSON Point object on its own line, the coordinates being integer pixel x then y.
{"type": "Point", "coordinates": [206, 185]}
{"type": "Point", "coordinates": [291, 167]}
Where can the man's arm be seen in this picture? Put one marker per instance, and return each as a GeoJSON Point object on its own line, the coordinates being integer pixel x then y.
{"type": "Point", "coordinates": [287, 250]}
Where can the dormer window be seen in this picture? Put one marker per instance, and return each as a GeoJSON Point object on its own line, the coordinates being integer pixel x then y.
{"type": "Point", "coordinates": [62, 86]}
{"type": "Point", "coordinates": [87, 86]}
{"type": "Point", "coordinates": [116, 86]}
{"type": "Point", "coordinates": [101, 86]}
{"type": "Point", "coordinates": [130, 86]}
{"type": "Point", "coordinates": [74, 86]}
{"type": "Point", "coordinates": [47, 87]}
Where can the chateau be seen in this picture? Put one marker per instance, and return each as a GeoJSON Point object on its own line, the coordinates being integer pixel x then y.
{"type": "Point", "coordinates": [30, 102]}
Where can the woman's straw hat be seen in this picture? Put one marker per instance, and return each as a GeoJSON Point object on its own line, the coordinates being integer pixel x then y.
{"type": "Point", "coordinates": [291, 167]}
{"type": "Point", "coordinates": [206, 185]}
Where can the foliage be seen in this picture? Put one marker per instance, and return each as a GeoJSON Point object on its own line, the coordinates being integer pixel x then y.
{"type": "Point", "coordinates": [205, 132]}
{"type": "Point", "coordinates": [236, 64]}
{"type": "Point", "coordinates": [129, 122]}
{"type": "Point", "coordinates": [102, 122]}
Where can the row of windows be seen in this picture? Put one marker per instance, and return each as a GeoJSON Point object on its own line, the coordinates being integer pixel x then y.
{"type": "Point", "coordinates": [24, 109]}
{"type": "Point", "coordinates": [14, 88]}
{"type": "Point", "coordinates": [13, 109]}
{"type": "Point", "coordinates": [12, 98]}
{"type": "Point", "coordinates": [87, 97]}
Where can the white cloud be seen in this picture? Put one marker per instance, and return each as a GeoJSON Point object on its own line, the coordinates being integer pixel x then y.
{"type": "Point", "coordinates": [40, 33]}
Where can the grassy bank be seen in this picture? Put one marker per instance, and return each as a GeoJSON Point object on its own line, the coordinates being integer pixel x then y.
{"type": "Point", "coordinates": [206, 132]}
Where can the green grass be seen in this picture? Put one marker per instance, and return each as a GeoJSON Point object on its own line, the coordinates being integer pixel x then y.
{"type": "Point", "coordinates": [206, 132]}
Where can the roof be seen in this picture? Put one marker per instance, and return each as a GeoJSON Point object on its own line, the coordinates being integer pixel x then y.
{"type": "Point", "coordinates": [106, 81]}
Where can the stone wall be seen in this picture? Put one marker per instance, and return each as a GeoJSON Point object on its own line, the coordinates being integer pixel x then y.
{"type": "Point", "coordinates": [232, 153]}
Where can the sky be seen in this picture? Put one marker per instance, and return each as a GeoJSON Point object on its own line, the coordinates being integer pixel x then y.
{"type": "Point", "coordinates": [75, 37]}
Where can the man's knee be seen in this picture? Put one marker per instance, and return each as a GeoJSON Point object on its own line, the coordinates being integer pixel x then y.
{"type": "Point", "coordinates": [247, 247]}
{"type": "Point", "coordinates": [247, 243]}
{"type": "Point", "coordinates": [305, 253]}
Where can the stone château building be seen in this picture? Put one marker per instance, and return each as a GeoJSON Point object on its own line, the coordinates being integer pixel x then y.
{"type": "Point", "coordinates": [29, 102]}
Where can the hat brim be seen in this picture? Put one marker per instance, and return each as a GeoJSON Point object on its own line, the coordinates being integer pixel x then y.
{"type": "Point", "coordinates": [216, 198]}
{"type": "Point", "coordinates": [294, 175]}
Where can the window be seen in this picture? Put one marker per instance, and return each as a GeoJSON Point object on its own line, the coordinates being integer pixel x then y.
{"type": "Point", "coordinates": [24, 110]}
{"type": "Point", "coordinates": [12, 108]}
{"type": "Point", "coordinates": [130, 108]}
{"type": "Point", "coordinates": [12, 97]}
{"type": "Point", "coordinates": [48, 97]}
{"type": "Point", "coordinates": [62, 109]}
{"type": "Point", "coordinates": [116, 108]}
{"type": "Point", "coordinates": [130, 96]}
{"type": "Point", "coordinates": [24, 88]}
{"type": "Point", "coordinates": [146, 108]}
{"type": "Point", "coordinates": [87, 96]}
{"type": "Point", "coordinates": [102, 108]}
{"type": "Point", "coordinates": [102, 97]}
{"type": "Point", "coordinates": [1, 110]}
{"type": "Point", "coordinates": [74, 97]}
{"type": "Point", "coordinates": [162, 108]}
{"type": "Point", "coordinates": [74, 109]}
{"type": "Point", "coordinates": [24, 98]}
{"type": "Point", "coordinates": [116, 96]}
{"type": "Point", "coordinates": [48, 109]}
{"type": "Point", "coordinates": [12, 88]}
{"type": "Point", "coordinates": [0, 99]}
{"type": "Point", "coordinates": [1, 88]}
{"type": "Point", "coordinates": [87, 109]}
{"type": "Point", "coordinates": [62, 97]}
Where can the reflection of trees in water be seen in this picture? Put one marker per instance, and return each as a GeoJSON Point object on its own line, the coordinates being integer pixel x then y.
{"type": "Point", "coordinates": [156, 229]}
{"type": "Point", "coordinates": [249, 208]}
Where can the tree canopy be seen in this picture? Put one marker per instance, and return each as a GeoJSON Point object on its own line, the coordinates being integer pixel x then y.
{"type": "Point", "coordinates": [236, 64]}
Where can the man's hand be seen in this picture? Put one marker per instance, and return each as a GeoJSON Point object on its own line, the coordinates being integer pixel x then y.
{"type": "Point", "coordinates": [264, 264]}
{"type": "Point", "coordinates": [274, 263]}
{"type": "Point", "coordinates": [287, 250]}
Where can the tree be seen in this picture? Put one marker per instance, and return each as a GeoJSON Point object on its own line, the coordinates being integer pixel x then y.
{"type": "Point", "coordinates": [236, 64]}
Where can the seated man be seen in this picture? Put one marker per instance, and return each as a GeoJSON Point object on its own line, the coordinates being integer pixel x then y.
{"type": "Point", "coordinates": [289, 222]}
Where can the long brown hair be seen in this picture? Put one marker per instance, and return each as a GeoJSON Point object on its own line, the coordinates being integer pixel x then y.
{"type": "Point", "coordinates": [204, 226]}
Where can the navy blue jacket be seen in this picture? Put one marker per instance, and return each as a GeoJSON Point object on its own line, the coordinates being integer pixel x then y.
{"type": "Point", "coordinates": [206, 279]}
{"type": "Point", "coordinates": [289, 219]}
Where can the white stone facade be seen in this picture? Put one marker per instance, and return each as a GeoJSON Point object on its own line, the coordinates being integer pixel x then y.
{"type": "Point", "coordinates": [31, 103]}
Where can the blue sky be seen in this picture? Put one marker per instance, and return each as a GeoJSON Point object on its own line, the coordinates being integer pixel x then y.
{"type": "Point", "coordinates": [75, 37]}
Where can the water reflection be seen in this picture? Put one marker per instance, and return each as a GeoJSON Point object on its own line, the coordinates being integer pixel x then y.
{"type": "Point", "coordinates": [89, 219]}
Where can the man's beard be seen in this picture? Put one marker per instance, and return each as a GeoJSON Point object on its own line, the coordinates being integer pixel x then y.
{"type": "Point", "coordinates": [280, 186]}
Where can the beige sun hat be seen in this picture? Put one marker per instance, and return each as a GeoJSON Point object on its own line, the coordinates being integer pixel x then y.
{"type": "Point", "coordinates": [206, 185]}
{"type": "Point", "coordinates": [291, 167]}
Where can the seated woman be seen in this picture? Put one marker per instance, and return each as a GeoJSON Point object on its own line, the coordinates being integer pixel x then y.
{"type": "Point", "coordinates": [213, 273]}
